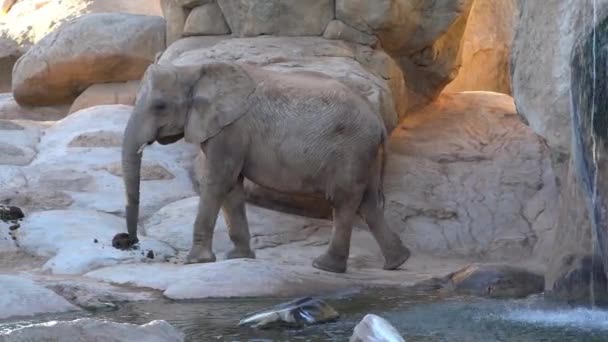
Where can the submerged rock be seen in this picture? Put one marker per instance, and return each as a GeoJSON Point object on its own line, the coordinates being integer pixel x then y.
{"type": "Point", "coordinates": [10, 213]}
{"type": "Point", "coordinates": [492, 280]}
{"type": "Point", "coordinates": [87, 329]}
{"type": "Point", "coordinates": [299, 312]}
{"type": "Point", "coordinates": [373, 328]}
{"type": "Point", "coordinates": [576, 276]}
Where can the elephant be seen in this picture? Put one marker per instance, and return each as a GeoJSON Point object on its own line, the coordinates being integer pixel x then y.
{"type": "Point", "coordinates": [300, 133]}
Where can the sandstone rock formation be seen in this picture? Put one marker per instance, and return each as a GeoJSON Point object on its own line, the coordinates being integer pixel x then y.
{"type": "Point", "coordinates": [424, 40]}
{"type": "Point", "coordinates": [28, 21]}
{"type": "Point", "coordinates": [486, 47]}
{"type": "Point", "coordinates": [60, 66]}
{"type": "Point", "coordinates": [106, 94]}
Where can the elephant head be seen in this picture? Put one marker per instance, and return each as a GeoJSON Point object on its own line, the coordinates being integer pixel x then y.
{"type": "Point", "coordinates": [174, 102]}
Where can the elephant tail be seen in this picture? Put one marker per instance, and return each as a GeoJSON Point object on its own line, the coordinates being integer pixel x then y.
{"type": "Point", "coordinates": [384, 147]}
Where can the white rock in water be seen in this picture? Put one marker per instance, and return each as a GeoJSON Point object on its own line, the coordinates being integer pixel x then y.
{"type": "Point", "coordinates": [87, 329]}
{"type": "Point", "coordinates": [373, 328]}
{"type": "Point", "coordinates": [23, 297]}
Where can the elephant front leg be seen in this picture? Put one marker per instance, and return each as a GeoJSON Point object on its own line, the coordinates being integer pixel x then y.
{"type": "Point", "coordinates": [211, 199]}
{"type": "Point", "coordinates": [236, 220]}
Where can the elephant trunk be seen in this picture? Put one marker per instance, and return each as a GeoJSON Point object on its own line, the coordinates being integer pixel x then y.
{"type": "Point", "coordinates": [131, 168]}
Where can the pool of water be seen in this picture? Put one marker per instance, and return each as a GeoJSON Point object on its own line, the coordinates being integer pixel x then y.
{"type": "Point", "coordinates": [418, 316]}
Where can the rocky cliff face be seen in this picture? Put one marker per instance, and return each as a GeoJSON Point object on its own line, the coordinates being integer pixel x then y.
{"type": "Point", "coordinates": [563, 99]}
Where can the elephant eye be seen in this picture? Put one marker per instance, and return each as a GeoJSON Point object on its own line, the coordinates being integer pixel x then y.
{"type": "Point", "coordinates": [159, 106]}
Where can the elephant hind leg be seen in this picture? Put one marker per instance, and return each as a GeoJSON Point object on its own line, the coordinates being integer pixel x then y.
{"type": "Point", "coordinates": [372, 212]}
{"type": "Point", "coordinates": [345, 210]}
{"type": "Point", "coordinates": [236, 220]}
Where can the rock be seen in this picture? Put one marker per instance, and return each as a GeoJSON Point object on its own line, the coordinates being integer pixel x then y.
{"type": "Point", "coordinates": [494, 281]}
{"type": "Point", "coordinates": [487, 47]}
{"type": "Point", "coordinates": [77, 166]}
{"type": "Point", "coordinates": [189, 4]}
{"type": "Point", "coordinates": [9, 53]}
{"type": "Point", "coordinates": [465, 177]}
{"type": "Point", "coordinates": [89, 329]}
{"type": "Point", "coordinates": [338, 30]}
{"type": "Point", "coordinates": [373, 328]}
{"type": "Point", "coordinates": [18, 142]}
{"type": "Point", "coordinates": [29, 21]}
{"type": "Point", "coordinates": [6, 5]}
{"type": "Point", "coordinates": [334, 58]}
{"type": "Point", "coordinates": [23, 297]}
{"type": "Point", "coordinates": [11, 110]}
{"type": "Point", "coordinates": [175, 16]}
{"type": "Point", "coordinates": [149, 171]}
{"type": "Point", "coordinates": [220, 279]}
{"type": "Point", "coordinates": [67, 237]}
{"type": "Point", "coordinates": [423, 37]}
{"type": "Point", "coordinates": [106, 94]}
{"type": "Point", "coordinates": [94, 295]}
{"type": "Point", "coordinates": [547, 33]}
{"type": "Point", "coordinates": [577, 277]}
{"type": "Point", "coordinates": [298, 312]}
{"type": "Point", "coordinates": [206, 20]}
{"type": "Point", "coordinates": [280, 18]}
{"type": "Point", "coordinates": [60, 67]}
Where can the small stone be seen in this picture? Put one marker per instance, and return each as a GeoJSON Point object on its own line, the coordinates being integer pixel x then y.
{"type": "Point", "coordinates": [95, 241]}
{"type": "Point", "coordinates": [14, 227]}
{"type": "Point", "coordinates": [150, 254]}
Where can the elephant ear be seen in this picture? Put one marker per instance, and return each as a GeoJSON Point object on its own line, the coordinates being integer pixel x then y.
{"type": "Point", "coordinates": [219, 98]}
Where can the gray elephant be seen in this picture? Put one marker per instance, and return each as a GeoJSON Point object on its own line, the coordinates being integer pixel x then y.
{"type": "Point", "coordinates": [295, 133]}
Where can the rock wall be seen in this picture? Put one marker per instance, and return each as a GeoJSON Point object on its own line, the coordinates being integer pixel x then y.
{"type": "Point", "coordinates": [487, 47]}
{"type": "Point", "coordinates": [423, 38]}
{"type": "Point", "coordinates": [559, 92]}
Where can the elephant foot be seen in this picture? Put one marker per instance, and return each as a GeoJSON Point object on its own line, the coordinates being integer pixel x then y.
{"type": "Point", "coordinates": [330, 263]}
{"type": "Point", "coordinates": [240, 253]}
{"type": "Point", "coordinates": [397, 259]}
{"type": "Point", "coordinates": [199, 256]}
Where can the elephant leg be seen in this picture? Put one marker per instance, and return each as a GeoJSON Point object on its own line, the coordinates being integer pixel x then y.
{"type": "Point", "coordinates": [372, 212]}
{"type": "Point", "coordinates": [336, 257]}
{"type": "Point", "coordinates": [236, 220]}
{"type": "Point", "coordinates": [211, 198]}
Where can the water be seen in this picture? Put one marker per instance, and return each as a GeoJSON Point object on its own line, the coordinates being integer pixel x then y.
{"type": "Point", "coordinates": [417, 316]}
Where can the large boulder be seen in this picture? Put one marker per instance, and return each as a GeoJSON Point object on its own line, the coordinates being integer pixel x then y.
{"type": "Point", "coordinates": [466, 177]}
{"type": "Point", "coordinates": [28, 21]}
{"type": "Point", "coordinates": [424, 38]}
{"type": "Point", "coordinates": [282, 18]}
{"type": "Point", "coordinates": [541, 71]}
{"type": "Point", "coordinates": [94, 48]}
{"type": "Point", "coordinates": [487, 47]}
{"type": "Point", "coordinates": [106, 94]}
{"type": "Point", "coordinates": [88, 329]}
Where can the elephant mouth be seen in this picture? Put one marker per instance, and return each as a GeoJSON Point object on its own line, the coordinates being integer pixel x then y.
{"type": "Point", "coordinates": [169, 139]}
